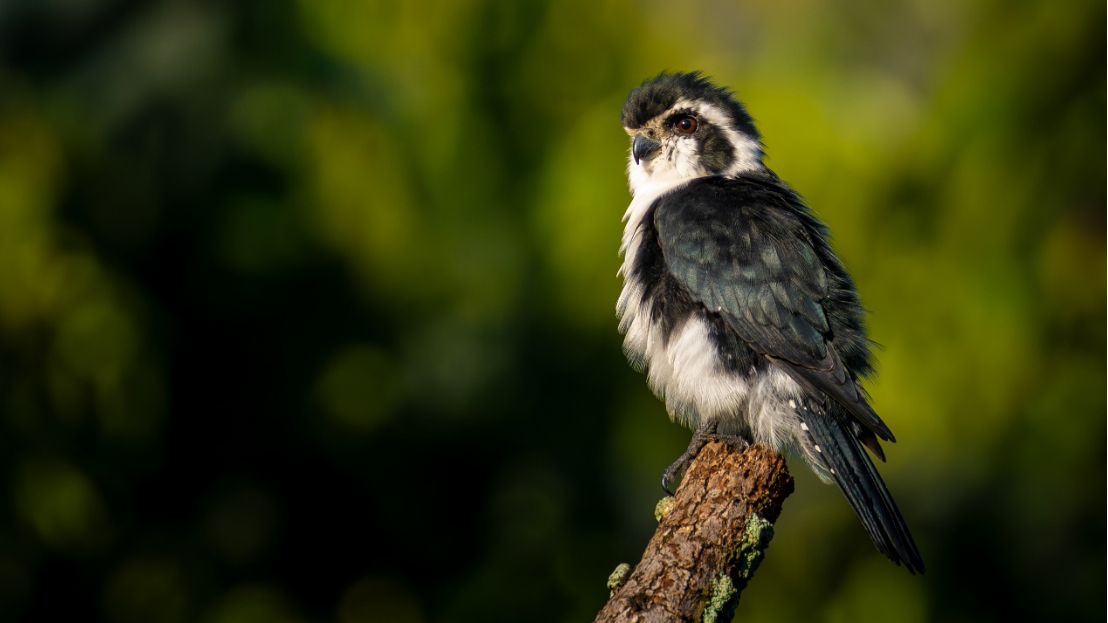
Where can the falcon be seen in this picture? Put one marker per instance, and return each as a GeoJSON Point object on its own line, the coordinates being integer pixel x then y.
{"type": "Point", "coordinates": [736, 307]}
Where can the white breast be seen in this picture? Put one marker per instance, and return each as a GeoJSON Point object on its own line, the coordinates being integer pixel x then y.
{"type": "Point", "coordinates": [686, 371]}
{"type": "Point", "coordinates": [633, 312]}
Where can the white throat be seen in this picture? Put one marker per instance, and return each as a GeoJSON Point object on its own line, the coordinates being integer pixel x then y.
{"type": "Point", "coordinates": [645, 188]}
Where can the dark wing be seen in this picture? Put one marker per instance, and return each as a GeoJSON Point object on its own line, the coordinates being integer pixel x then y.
{"type": "Point", "coordinates": [743, 249]}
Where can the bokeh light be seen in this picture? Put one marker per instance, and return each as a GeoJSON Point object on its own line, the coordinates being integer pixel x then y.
{"type": "Point", "coordinates": [307, 307]}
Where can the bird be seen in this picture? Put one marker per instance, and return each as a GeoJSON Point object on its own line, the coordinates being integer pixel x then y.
{"type": "Point", "coordinates": [747, 324]}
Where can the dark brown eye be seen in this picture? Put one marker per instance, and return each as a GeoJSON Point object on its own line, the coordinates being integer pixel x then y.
{"type": "Point", "coordinates": [686, 125]}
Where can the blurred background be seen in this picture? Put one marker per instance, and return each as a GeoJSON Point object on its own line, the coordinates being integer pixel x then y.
{"type": "Point", "coordinates": [306, 308]}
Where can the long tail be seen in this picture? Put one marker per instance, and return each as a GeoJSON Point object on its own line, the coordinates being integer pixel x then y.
{"type": "Point", "coordinates": [852, 469]}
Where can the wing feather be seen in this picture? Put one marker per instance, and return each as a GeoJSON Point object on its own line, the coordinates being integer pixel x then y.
{"type": "Point", "coordinates": [742, 249]}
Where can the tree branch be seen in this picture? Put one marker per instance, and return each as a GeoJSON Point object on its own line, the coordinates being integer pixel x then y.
{"type": "Point", "coordinates": [709, 541]}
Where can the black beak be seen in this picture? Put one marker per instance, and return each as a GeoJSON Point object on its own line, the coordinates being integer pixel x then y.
{"type": "Point", "coordinates": [643, 148]}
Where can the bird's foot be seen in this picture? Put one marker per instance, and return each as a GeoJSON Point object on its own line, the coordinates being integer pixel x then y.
{"type": "Point", "coordinates": [700, 438]}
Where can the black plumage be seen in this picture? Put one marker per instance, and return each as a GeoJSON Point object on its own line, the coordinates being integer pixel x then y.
{"type": "Point", "coordinates": [736, 305]}
{"type": "Point", "coordinates": [749, 250]}
{"type": "Point", "coordinates": [658, 95]}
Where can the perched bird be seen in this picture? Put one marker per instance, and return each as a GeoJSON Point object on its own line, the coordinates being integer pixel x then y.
{"type": "Point", "coordinates": [745, 321]}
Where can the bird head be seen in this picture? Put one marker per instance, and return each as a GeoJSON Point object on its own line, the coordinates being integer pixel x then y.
{"type": "Point", "coordinates": [682, 127]}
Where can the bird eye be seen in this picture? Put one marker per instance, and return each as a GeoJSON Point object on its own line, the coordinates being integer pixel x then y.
{"type": "Point", "coordinates": [686, 125]}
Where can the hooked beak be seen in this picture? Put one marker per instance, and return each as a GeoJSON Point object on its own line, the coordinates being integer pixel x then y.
{"type": "Point", "coordinates": [643, 148]}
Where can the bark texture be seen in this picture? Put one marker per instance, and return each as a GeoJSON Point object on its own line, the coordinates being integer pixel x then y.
{"type": "Point", "coordinates": [711, 536]}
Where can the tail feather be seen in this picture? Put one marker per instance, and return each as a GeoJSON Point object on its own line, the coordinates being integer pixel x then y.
{"type": "Point", "coordinates": [853, 471]}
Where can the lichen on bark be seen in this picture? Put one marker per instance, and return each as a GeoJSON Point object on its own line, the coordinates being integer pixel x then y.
{"type": "Point", "coordinates": [710, 539]}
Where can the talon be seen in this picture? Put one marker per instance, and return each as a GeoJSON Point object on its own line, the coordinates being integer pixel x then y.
{"type": "Point", "coordinates": [671, 472]}
{"type": "Point", "coordinates": [700, 438]}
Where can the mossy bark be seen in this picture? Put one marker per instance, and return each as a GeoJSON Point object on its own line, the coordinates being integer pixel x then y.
{"type": "Point", "coordinates": [711, 536]}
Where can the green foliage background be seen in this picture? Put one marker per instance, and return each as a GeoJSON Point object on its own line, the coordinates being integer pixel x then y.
{"type": "Point", "coordinates": [306, 308]}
